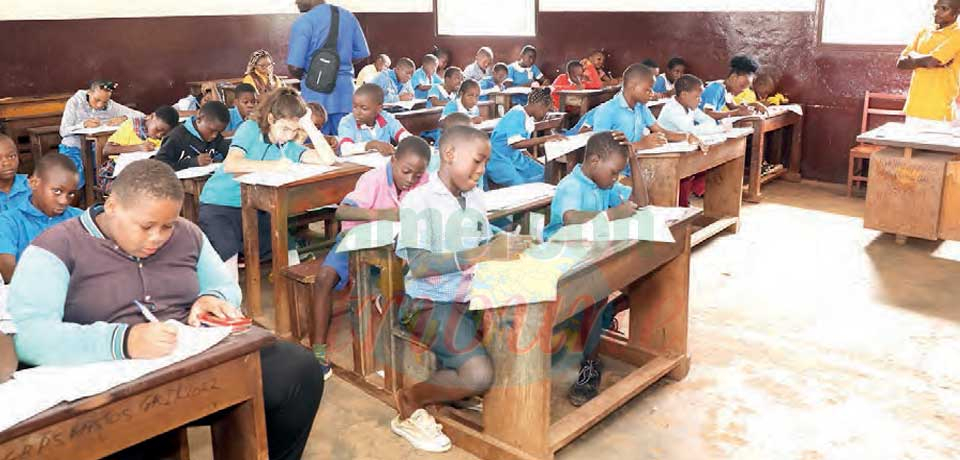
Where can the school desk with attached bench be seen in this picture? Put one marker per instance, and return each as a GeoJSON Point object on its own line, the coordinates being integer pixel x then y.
{"type": "Point", "coordinates": [585, 99]}
{"type": "Point", "coordinates": [420, 120]}
{"type": "Point", "coordinates": [781, 120]}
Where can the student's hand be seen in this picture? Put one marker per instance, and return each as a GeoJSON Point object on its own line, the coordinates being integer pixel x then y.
{"type": "Point", "coordinates": [148, 146]}
{"type": "Point", "coordinates": [214, 306]}
{"type": "Point", "coordinates": [625, 210]}
{"type": "Point", "coordinates": [115, 121]}
{"type": "Point", "coordinates": [151, 340]}
{"type": "Point", "coordinates": [384, 148]}
{"type": "Point", "coordinates": [91, 123]}
{"type": "Point", "coordinates": [506, 246]}
{"type": "Point", "coordinates": [651, 141]}
{"type": "Point", "coordinates": [204, 159]}
{"type": "Point", "coordinates": [617, 135]}
{"type": "Point", "coordinates": [743, 111]}
{"type": "Point", "coordinates": [332, 141]}
{"type": "Point", "coordinates": [282, 165]}
{"type": "Point", "coordinates": [306, 121]}
{"type": "Point", "coordinates": [406, 97]}
{"type": "Point", "coordinates": [759, 107]}
{"type": "Point", "coordinates": [555, 137]}
{"type": "Point", "coordinates": [389, 214]}
{"type": "Point", "coordinates": [477, 120]}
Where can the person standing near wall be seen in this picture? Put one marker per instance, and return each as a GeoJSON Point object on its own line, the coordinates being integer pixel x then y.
{"type": "Point", "coordinates": [934, 58]}
{"type": "Point", "coordinates": [308, 35]}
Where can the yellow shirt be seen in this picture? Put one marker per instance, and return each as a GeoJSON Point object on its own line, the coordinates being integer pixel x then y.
{"type": "Point", "coordinates": [746, 97]}
{"type": "Point", "coordinates": [932, 91]}
{"type": "Point", "coordinates": [366, 75]}
{"type": "Point", "coordinates": [126, 136]}
{"type": "Point", "coordinates": [276, 82]}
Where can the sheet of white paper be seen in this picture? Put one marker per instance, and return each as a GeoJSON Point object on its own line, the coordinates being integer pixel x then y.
{"type": "Point", "coordinates": [672, 147]}
{"type": "Point", "coordinates": [645, 225]}
{"type": "Point", "coordinates": [371, 160]}
{"type": "Point", "coordinates": [487, 125]}
{"type": "Point", "coordinates": [530, 279]}
{"type": "Point", "coordinates": [296, 173]}
{"type": "Point", "coordinates": [556, 149]}
{"type": "Point", "coordinates": [408, 105]}
{"type": "Point", "coordinates": [35, 390]}
{"type": "Point", "coordinates": [735, 133]}
{"type": "Point", "coordinates": [517, 196]}
{"type": "Point", "coordinates": [518, 90]}
{"type": "Point", "coordinates": [921, 133]}
{"type": "Point", "coordinates": [369, 235]}
{"type": "Point", "coordinates": [125, 159]}
{"type": "Point", "coordinates": [97, 130]}
{"type": "Point", "coordinates": [198, 171]}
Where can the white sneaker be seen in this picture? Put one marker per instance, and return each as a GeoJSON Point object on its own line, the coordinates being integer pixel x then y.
{"type": "Point", "coordinates": [422, 431]}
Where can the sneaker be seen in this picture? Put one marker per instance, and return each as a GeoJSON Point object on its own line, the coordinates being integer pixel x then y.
{"type": "Point", "coordinates": [587, 385]}
{"type": "Point", "coordinates": [422, 431]}
{"type": "Point", "coordinates": [327, 371]}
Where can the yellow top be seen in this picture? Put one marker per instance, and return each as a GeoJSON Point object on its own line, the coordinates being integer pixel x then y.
{"type": "Point", "coordinates": [932, 91]}
{"type": "Point", "coordinates": [126, 135]}
{"type": "Point", "coordinates": [746, 97]}
{"type": "Point", "coordinates": [274, 83]}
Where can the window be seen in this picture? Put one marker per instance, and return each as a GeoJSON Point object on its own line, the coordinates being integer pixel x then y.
{"type": "Point", "coordinates": [873, 22]}
{"type": "Point", "coordinates": [386, 6]}
{"type": "Point", "coordinates": [679, 5]}
{"type": "Point", "coordinates": [487, 18]}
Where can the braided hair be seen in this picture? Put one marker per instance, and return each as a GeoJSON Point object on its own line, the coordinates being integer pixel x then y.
{"type": "Point", "coordinates": [262, 85]}
{"type": "Point", "coordinates": [540, 96]}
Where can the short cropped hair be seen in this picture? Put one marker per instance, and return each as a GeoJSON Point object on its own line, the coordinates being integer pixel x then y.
{"type": "Point", "coordinates": [573, 64]}
{"type": "Point", "coordinates": [429, 58]}
{"type": "Point", "coordinates": [450, 72]}
{"type": "Point", "coordinates": [501, 67]}
{"type": "Point", "coordinates": [372, 91]}
{"type": "Point", "coordinates": [486, 50]}
{"type": "Point", "coordinates": [146, 178]}
{"type": "Point", "coordinates": [742, 64]}
{"type": "Point", "coordinates": [650, 63]}
{"type": "Point", "coordinates": [602, 145]}
{"type": "Point", "coordinates": [468, 84]}
{"type": "Point", "coordinates": [635, 72]}
{"type": "Point", "coordinates": [457, 134]}
{"type": "Point", "coordinates": [528, 49]}
{"type": "Point", "coordinates": [414, 145]}
{"type": "Point", "coordinates": [406, 62]}
{"type": "Point", "coordinates": [675, 61]}
{"type": "Point", "coordinates": [216, 111]}
{"type": "Point", "coordinates": [456, 119]}
{"type": "Point", "coordinates": [245, 88]}
{"type": "Point", "coordinates": [168, 115]}
{"type": "Point", "coordinates": [52, 161]}
{"type": "Point", "coordinates": [687, 83]}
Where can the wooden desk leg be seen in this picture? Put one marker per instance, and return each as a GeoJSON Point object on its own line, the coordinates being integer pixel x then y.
{"type": "Point", "coordinates": [279, 237]}
{"type": "Point", "coordinates": [756, 163]}
{"type": "Point", "coordinates": [85, 156]}
{"type": "Point", "coordinates": [665, 189]}
{"type": "Point", "coordinates": [518, 340]}
{"type": "Point", "coordinates": [659, 306]}
{"type": "Point", "coordinates": [241, 432]}
{"type": "Point", "coordinates": [796, 151]}
{"type": "Point", "coordinates": [725, 192]}
{"type": "Point", "coordinates": [251, 254]}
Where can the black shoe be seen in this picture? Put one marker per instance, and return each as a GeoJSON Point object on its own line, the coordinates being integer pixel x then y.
{"type": "Point", "coordinates": [587, 385]}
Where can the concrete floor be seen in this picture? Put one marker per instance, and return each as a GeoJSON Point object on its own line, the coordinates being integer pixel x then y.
{"type": "Point", "coordinates": [811, 339]}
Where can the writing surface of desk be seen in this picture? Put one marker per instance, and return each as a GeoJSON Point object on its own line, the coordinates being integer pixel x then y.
{"type": "Point", "coordinates": [280, 203]}
{"type": "Point", "coordinates": [916, 192]}
{"type": "Point", "coordinates": [224, 378]}
{"type": "Point", "coordinates": [586, 99]}
{"type": "Point", "coordinates": [18, 114]}
{"type": "Point", "coordinates": [786, 121]}
{"type": "Point", "coordinates": [420, 120]}
{"type": "Point", "coordinates": [724, 166]}
{"type": "Point", "coordinates": [518, 420]}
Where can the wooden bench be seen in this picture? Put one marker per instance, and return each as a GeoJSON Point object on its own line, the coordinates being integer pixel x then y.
{"type": "Point", "coordinates": [878, 108]}
{"type": "Point", "coordinates": [18, 114]}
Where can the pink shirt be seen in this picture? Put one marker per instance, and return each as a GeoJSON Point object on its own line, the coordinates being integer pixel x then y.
{"type": "Point", "coordinates": [375, 190]}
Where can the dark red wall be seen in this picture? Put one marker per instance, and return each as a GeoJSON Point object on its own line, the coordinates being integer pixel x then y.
{"type": "Point", "coordinates": [154, 57]}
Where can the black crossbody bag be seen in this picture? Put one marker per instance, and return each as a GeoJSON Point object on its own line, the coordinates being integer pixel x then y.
{"type": "Point", "coordinates": [321, 75]}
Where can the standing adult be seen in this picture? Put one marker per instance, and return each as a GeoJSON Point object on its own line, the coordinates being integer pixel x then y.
{"type": "Point", "coordinates": [308, 34]}
{"type": "Point", "coordinates": [934, 58]}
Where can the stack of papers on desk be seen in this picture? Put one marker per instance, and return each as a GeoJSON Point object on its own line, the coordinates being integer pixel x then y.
{"type": "Point", "coordinates": [122, 160]}
{"type": "Point", "coordinates": [297, 172]}
{"type": "Point", "coordinates": [775, 110]}
{"type": "Point", "coordinates": [407, 105]}
{"type": "Point", "coordinates": [369, 235]}
{"type": "Point", "coordinates": [530, 279]}
{"type": "Point", "coordinates": [517, 196]}
{"type": "Point", "coordinates": [97, 130]}
{"type": "Point", "coordinates": [198, 171]}
{"type": "Point", "coordinates": [646, 225]}
{"type": "Point", "coordinates": [556, 149]}
{"type": "Point", "coordinates": [488, 125]}
{"type": "Point", "coordinates": [671, 147]}
{"type": "Point", "coordinates": [370, 159]}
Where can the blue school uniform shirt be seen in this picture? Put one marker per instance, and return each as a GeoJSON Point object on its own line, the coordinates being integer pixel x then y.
{"type": "Point", "coordinates": [660, 85]}
{"type": "Point", "coordinates": [487, 83]}
{"type": "Point", "coordinates": [19, 192]}
{"type": "Point", "coordinates": [21, 224]}
{"type": "Point", "coordinates": [714, 97]}
{"type": "Point", "coordinates": [420, 79]}
{"type": "Point", "coordinates": [577, 192]}
{"type": "Point", "coordinates": [392, 88]}
{"type": "Point", "coordinates": [509, 166]}
{"type": "Point", "coordinates": [223, 189]}
{"type": "Point", "coordinates": [308, 34]}
{"type": "Point", "coordinates": [585, 120]}
{"type": "Point", "coordinates": [521, 76]}
{"type": "Point", "coordinates": [439, 92]}
{"type": "Point", "coordinates": [235, 120]}
{"type": "Point", "coordinates": [615, 115]}
{"type": "Point", "coordinates": [456, 105]}
{"type": "Point", "coordinates": [386, 129]}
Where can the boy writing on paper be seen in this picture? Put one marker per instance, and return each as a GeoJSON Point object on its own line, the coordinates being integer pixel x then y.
{"type": "Point", "coordinates": [199, 140]}
{"type": "Point", "coordinates": [593, 188]}
{"type": "Point", "coordinates": [54, 187]}
{"type": "Point", "coordinates": [369, 127]}
{"type": "Point", "coordinates": [376, 196]}
{"type": "Point", "coordinates": [509, 163]}
{"type": "Point", "coordinates": [425, 77]}
{"type": "Point", "coordinates": [370, 71]}
{"type": "Point", "coordinates": [572, 80]}
{"type": "Point", "coordinates": [444, 233]}
{"type": "Point", "coordinates": [396, 82]}
{"type": "Point", "coordinates": [498, 81]}
{"type": "Point", "coordinates": [142, 134]}
{"type": "Point", "coordinates": [14, 188]}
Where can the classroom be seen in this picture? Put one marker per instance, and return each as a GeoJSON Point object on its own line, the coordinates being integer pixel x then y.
{"type": "Point", "coordinates": [504, 230]}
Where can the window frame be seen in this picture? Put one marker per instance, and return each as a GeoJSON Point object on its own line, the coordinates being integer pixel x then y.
{"type": "Point", "coordinates": [821, 9]}
{"type": "Point", "coordinates": [536, 25]}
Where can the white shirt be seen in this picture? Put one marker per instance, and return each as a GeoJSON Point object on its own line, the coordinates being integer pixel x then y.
{"type": "Point", "coordinates": [474, 72]}
{"type": "Point", "coordinates": [676, 117]}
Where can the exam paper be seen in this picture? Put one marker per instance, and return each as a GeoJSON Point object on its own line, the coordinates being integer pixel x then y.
{"type": "Point", "coordinates": [35, 390]}
{"type": "Point", "coordinates": [297, 172]}
{"type": "Point", "coordinates": [198, 171]}
{"type": "Point", "coordinates": [370, 159]}
{"type": "Point", "coordinates": [518, 90]}
{"type": "Point", "coordinates": [369, 235]}
{"type": "Point", "coordinates": [408, 105]}
{"type": "Point", "coordinates": [99, 129]}
{"type": "Point", "coordinates": [517, 196]}
{"type": "Point", "coordinates": [487, 125]}
{"type": "Point", "coordinates": [645, 225]}
{"type": "Point", "coordinates": [530, 279]}
{"type": "Point", "coordinates": [670, 147]}
{"type": "Point", "coordinates": [556, 149]}
{"type": "Point", "coordinates": [124, 159]}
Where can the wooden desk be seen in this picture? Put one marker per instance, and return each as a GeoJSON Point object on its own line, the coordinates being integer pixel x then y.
{"type": "Point", "coordinates": [18, 114]}
{"type": "Point", "coordinates": [914, 184]}
{"type": "Point", "coordinates": [518, 420]}
{"type": "Point", "coordinates": [91, 147]}
{"type": "Point", "coordinates": [159, 402]}
{"type": "Point", "coordinates": [418, 121]}
{"type": "Point", "coordinates": [585, 99]}
{"type": "Point", "coordinates": [788, 122]}
{"type": "Point", "coordinates": [281, 203]}
{"type": "Point", "coordinates": [191, 197]}
{"type": "Point", "coordinates": [43, 139]}
{"type": "Point", "coordinates": [724, 167]}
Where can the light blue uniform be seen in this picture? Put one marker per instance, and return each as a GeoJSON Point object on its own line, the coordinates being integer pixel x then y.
{"type": "Point", "coordinates": [577, 192]}
{"type": "Point", "coordinates": [19, 192]}
{"type": "Point", "coordinates": [661, 85]}
{"type": "Point", "coordinates": [714, 97]}
{"type": "Point", "coordinates": [386, 129]}
{"type": "Point", "coordinates": [420, 79]}
{"type": "Point", "coordinates": [235, 120]}
{"type": "Point", "coordinates": [615, 115]}
{"type": "Point", "coordinates": [585, 120]}
{"type": "Point", "coordinates": [521, 76]}
{"type": "Point", "coordinates": [509, 166]}
{"type": "Point", "coordinates": [392, 88]}
{"type": "Point", "coordinates": [455, 106]}
{"type": "Point", "coordinates": [20, 225]}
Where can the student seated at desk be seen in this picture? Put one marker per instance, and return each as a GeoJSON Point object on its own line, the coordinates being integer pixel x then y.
{"type": "Point", "coordinates": [593, 188]}
{"type": "Point", "coordinates": [443, 58]}
{"type": "Point", "coordinates": [509, 165]}
{"type": "Point", "coordinates": [498, 81]}
{"type": "Point", "coordinates": [652, 64]}
{"type": "Point", "coordinates": [90, 108]}
{"type": "Point", "coordinates": [465, 102]}
{"type": "Point", "coordinates": [319, 116]}
{"type": "Point", "coordinates": [259, 73]}
{"type": "Point", "coordinates": [480, 67]}
{"type": "Point", "coordinates": [53, 186]}
{"type": "Point", "coordinates": [135, 248]}
{"type": "Point", "coordinates": [594, 71]}
{"type": "Point", "coordinates": [369, 127]}
{"type": "Point", "coordinates": [142, 134]}
{"type": "Point", "coordinates": [193, 102]}
{"type": "Point", "coordinates": [265, 143]}
{"type": "Point", "coordinates": [676, 68]}
{"type": "Point", "coordinates": [425, 78]}
{"type": "Point", "coordinates": [14, 188]}
{"type": "Point", "coordinates": [370, 71]}
{"type": "Point", "coordinates": [376, 196]}
{"type": "Point", "coordinates": [440, 95]}
{"type": "Point", "coordinates": [396, 82]}
{"type": "Point", "coordinates": [572, 80]}
{"type": "Point", "coordinates": [762, 94]}
{"type": "Point", "coordinates": [8, 355]}
{"type": "Point", "coordinates": [524, 72]}
{"type": "Point", "coordinates": [441, 260]}
{"type": "Point", "coordinates": [628, 113]}
{"type": "Point", "coordinates": [243, 105]}
{"type": "Point", "coordinates": [717, 99]}
{"type": "Point", "coordinates": [199, 140]}
{"type": "Point", "coordinates": [584, 124]}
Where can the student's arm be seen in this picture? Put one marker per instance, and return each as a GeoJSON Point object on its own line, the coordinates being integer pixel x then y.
{"type": "Point", "coordinates": [536, 141]}
{"type": "Point", "coordinates": [70, 120]}
{"type": "Point", "coordinates": [9, 246]}
{"type": "Point", "coordinates": [237, 163]}
{"type": "Point", "coordinates": [503, 246]}
{"type": "Point", "coordinates": [215, 280]}
{"type": "Point", "coordinates": [174, 153]}
{"type": "Point", "coordinates": [673, 136]}
{"type": "Point", "coordinates": [7, 263]}
{"type": "Point", "coordinates": [638, 193]}
{"type": "Point", "coordinates": [112, 148]}
{"type": "Point", "coordinates": [361, 50]}
{"type": "Point", "coordinates": [8, 357]}
{"type": "Point", "coordinates": [321, 153]}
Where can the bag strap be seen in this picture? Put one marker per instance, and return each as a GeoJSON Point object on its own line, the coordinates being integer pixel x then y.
{"type": "Point", "coordinates": [334, 33]}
